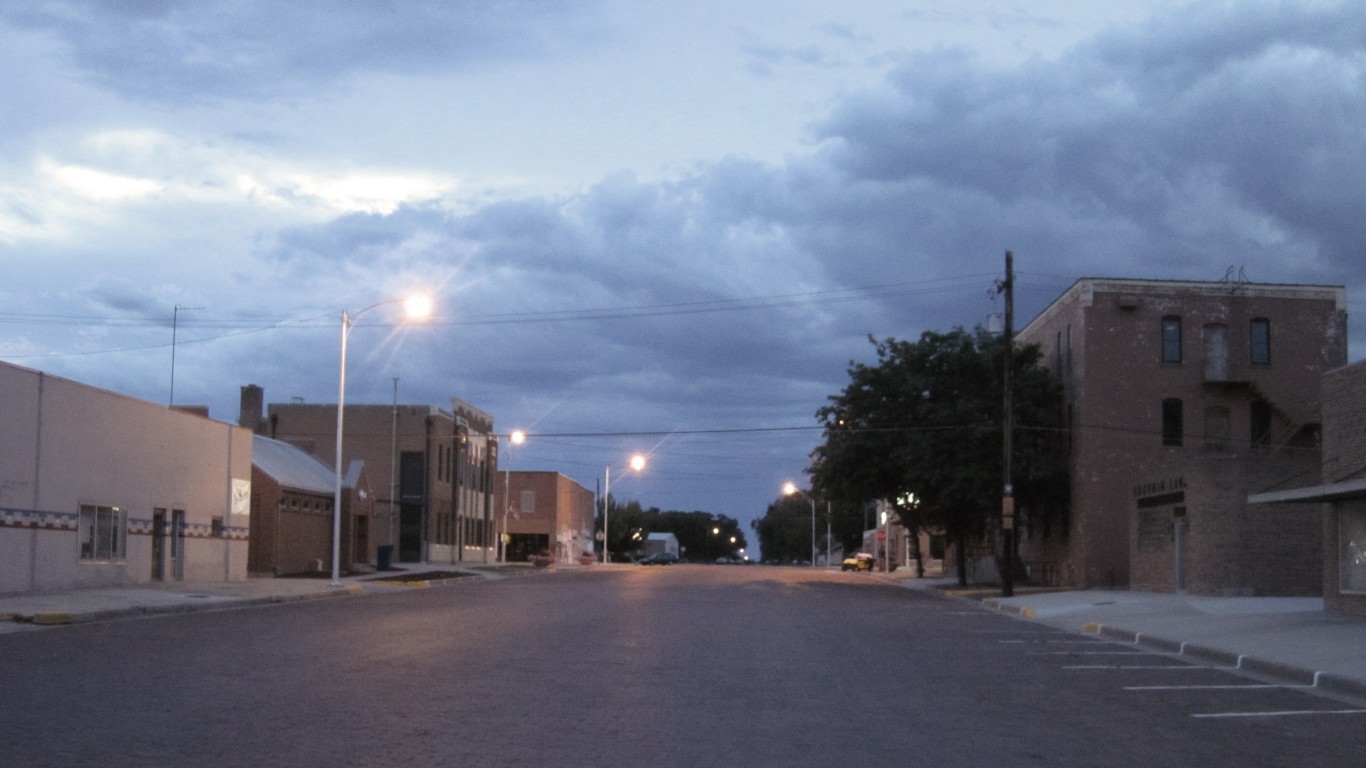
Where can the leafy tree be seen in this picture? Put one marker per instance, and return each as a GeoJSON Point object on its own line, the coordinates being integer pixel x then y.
{"type": "Point", "coordinates": [922, 428]}
{"type": "Point", "coordinates": [702, 536]}
{"type": "Point", "coordinates": [785, 530]}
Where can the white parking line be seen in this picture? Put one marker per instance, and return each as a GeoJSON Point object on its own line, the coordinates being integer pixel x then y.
{"type": "Point", "coordinates": [1240, 687]}
{"type": "Point", "coordinates": [1190, 667]}
{"type": "Point", "coordinates": [1284, 713]}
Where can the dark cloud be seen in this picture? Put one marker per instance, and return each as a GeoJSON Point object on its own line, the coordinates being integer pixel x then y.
{"type": "Point", "coordinates": [185, 51]}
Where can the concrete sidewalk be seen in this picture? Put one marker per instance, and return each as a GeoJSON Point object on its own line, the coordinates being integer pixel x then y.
{"type": "Point", "coordinates": [1287, 639]}
{"type": "Point", "coordinates": [24, 610]}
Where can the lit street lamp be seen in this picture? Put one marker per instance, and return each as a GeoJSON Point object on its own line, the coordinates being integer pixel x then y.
{"type": "Point", "coordinates": [516, 438]}
{"type": "Point", "coordinates": [637, 463]}
{"type": "Point", "coordinates": [790, 488]}
{"type": "Point", "coordinates": [416, 307]}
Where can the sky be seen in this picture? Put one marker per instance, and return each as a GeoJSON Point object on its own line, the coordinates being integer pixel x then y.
{"type": "Point", "coordinates": [650, 227]}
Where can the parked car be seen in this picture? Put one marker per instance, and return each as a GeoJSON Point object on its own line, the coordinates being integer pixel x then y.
{"type": "Point", "coordinates": [859, 562]}
{"type": "Point", "coordinates": [660, 558]}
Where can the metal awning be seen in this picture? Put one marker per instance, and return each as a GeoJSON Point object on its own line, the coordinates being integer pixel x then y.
{"type": "Point", "coordinates": [1314, 494]}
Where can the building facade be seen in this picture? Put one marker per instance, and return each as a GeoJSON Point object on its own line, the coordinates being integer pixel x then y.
{"type": "Point", "coordinates": [292, 495]}
{"type": "Point", "coordinates": [431, 471]}
{"type": "Point", "coordinates": [1181, 399]}
{"type": "Point", "coordinates": [100, 489]}
{"type": "Point", "coordinates": [1341, 495]}
{"type": "Point", "coordinates": [548, 514]}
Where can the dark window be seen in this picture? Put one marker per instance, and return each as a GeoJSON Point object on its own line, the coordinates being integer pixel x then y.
{"type": "Point", "coordinates": [1261, 341]}
{"type": "Point", "coordinates": [1261, 422]}
{"type": "Point", "coordinates": [1171, 339]}
{"type": "Point", "coordinates": [1173, 426]}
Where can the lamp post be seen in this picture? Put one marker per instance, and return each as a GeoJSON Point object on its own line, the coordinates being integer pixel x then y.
{"type": "Point", "coordinates": [637, 463]}
{"type": "Point", "coordinates": [516, 438]}
{"type": "Point", "coordinates": [417, 307]}
{"type": "Point", "coordinates": [790, 488]}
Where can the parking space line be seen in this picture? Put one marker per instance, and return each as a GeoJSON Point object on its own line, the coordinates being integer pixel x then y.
{"type": "Point", "coordinates": [1230, 687]}
{"type": "Point", "coordinates": [1283, 713]}
{"type": "Point", "coordinates": [1192, 667]}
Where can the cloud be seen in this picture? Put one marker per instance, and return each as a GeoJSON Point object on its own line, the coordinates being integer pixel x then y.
{"type": "Point", "coordinates": [184, 51]}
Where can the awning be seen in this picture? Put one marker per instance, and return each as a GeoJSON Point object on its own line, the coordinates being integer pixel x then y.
{"type": "Point", "coordinates": [1314, 494]}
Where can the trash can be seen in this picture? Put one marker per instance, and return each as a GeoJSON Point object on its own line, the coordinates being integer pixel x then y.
{"type": "Point", "coordinates": [382, 558]}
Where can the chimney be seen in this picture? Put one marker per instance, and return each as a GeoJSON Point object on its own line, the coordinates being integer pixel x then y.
{"type": "Point", "coordinates": [253, 402]}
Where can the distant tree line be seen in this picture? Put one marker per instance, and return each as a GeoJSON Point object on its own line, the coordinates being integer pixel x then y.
{"type": "Point", "coordinates": [702, 536]}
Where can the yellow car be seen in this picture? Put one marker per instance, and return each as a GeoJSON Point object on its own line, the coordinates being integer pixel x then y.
{"type": "Point", "coordinates": [860, 562]}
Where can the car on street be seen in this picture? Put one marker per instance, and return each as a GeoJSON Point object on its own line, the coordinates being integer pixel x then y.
{"type": "Point", "coordinates": [660, 558]}
{"type": "Point", "coordinates": [859, 562]}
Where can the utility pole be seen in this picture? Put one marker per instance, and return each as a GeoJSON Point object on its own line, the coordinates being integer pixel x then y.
{"type": "Point", "coordinates": [175, 323]}
{"type": "Point", "coordinates": [1007, 428]}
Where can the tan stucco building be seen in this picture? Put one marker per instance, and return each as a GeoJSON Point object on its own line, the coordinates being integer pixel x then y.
{"type": "Point", "coordinates": [101, 489]}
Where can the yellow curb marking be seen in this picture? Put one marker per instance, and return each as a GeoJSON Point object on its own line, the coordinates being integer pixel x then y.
{"type": "Point", "coordinates": [403, 583]}
{"type": "Point", "coordinates": [52, 618]}
{"type": "Point", "coordinates": [1091, 629]}
{"type": "Point", "coordinates": [1028, 613]}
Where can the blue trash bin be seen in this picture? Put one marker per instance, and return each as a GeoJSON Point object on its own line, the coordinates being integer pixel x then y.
{"type": "Point", "coordinates": [384, 555]}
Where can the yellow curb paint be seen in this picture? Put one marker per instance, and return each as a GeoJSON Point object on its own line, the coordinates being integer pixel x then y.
{"type": "Point", "coordinates": [355, 589]}
{"type": "Point", "coordinates": [1028, 613]}
{"type": "Point", "coordinates": [51, 618]}
{"type": "Point", "coordinates": [403, 583]}
{"type": "Point", "coordinates": [1091, 629]}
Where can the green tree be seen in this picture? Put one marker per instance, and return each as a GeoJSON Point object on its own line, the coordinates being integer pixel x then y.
{"type": "Point", "coordinates": [922, 428]}
{"type": "Point", "coordinates": [785, 530]}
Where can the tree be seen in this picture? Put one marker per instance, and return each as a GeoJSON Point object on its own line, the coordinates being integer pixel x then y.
{"type": "Point", "coordinates": [785, 530]}
{"type": "Point", "coordinates": [922, 429]}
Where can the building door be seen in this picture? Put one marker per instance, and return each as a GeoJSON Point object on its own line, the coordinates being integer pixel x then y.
{"type": "Point", "coordinates": [410, 533]}
{"type": "Point", "coordinates": [1216, 352]}
{"type": "Point", "coordinates": [178, 544]}
{"type": "Point", "coordinates": [158, 545]}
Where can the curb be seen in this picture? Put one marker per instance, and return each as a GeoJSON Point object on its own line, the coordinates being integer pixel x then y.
{"type": "Point", "coordinates": [58, 618]}
{"type": "Point", "coordinates": [1331, 684]}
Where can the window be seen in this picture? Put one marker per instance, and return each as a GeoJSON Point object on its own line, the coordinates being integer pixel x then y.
{"type": "Point", "coordinates": [1217, 429]}
{"type": "Point", "coordinates": [1171, 339]}
{"type": "Point", "coordinates": [1173, 426]}
{"type": "Point", "coordinates": [1261, 341]}
{"type": "Point", "coordinates": [1352, 547]}
{"type": "Point", "coordinates": [1261, 422]}
{"type": "Point", "coordinates": [103, 532]}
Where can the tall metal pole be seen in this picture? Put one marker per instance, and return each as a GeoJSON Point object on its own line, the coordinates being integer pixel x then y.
{"type": "Point", "coordinates": [337, 491]}
{"type": "Point", "coordinates": [1008, 427]}
{"type": "Point", "coordinates": [606, 498]}
{"type": "Point", "coordinates": [393, 481]}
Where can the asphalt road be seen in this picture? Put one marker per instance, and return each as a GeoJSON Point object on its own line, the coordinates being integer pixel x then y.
{"type": "Point", "coordinates": [672, 666]}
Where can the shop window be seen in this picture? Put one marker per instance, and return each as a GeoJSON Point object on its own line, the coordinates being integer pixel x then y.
{"type": "Point", "coordinates": [103, 532]}
{"type": "Point", "coordinates": [1352, 547]}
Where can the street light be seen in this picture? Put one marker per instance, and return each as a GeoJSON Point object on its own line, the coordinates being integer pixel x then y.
{"type": "Point", "coordinates": [416, 307]}
{"type": "Point", "coordinates": [637, 463]}
{"type": "Point", "coordinates": [516, 438]}
{"type": "Point", "coordinates": [790, 488]}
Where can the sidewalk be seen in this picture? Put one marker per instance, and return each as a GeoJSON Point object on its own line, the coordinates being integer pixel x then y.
{"type": "Point", "coordinates": [102, 603]}
{"type": "Point", "coordinates": [1282, 638]}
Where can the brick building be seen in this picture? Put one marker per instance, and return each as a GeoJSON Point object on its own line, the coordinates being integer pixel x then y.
{"type": "Point", "coordinates": [431, 471]}
{"type": "Point", "coordinates": [1182, 398]}
{"type": "Point", "coordinates": [549, 514]}
{"type": "Point", "coordinates": [291, 511]}
{"type": "Point", "coordinates": [1342, 493]}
